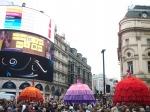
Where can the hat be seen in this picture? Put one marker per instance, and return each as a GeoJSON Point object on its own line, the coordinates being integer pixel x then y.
{"type": "Point", "coordinates": [1, 107]}
{"type": "Point", "coordinates": [70, 107]}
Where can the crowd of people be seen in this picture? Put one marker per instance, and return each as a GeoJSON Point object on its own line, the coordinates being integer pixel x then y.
{"type": "Point", "coordinates": [59, 106]}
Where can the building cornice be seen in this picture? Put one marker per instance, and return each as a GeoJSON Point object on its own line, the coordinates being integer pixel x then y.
{"type": "Point", "coordinates": [133, 29]}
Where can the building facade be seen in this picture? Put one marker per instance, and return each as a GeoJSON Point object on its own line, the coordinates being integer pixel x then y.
{"type": "Point", "coordinates": [98, 84]}
{"type": "Point", "coordinates": [134, 42]}
{"type": "Point", "coordinates": [29, 57]}
{"type": "Point", "coordinates": [26, 53]}
{"type": "Point", "coordinates": [60, 79]}
{"type": "Point", "coordinates": [78, 68]}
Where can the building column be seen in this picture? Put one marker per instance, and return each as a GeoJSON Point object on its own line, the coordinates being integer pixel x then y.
{"type": "Point", "coordinates": [138, 38]}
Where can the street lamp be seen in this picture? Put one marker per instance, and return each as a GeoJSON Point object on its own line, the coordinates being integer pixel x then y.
{"type": "Point", "coordinates": [103, 50]}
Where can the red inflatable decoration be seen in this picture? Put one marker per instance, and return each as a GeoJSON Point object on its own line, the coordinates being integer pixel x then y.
{"type": "Point", "coordinates": [131, 90]}
{"type": "Point", "coordinates": [31, 94]}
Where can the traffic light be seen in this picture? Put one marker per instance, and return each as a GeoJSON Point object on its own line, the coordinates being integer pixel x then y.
{"type": "Point", "coordinates": [107, 88]}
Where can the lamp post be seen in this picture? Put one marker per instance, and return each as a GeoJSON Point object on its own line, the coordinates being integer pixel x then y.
{"type": "Point", "coordinates": [103, 50]}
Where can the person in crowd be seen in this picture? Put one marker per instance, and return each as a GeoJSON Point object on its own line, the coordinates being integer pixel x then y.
{"type": "Point", "coordinates": [71, 109]}
{"type": "Point", "coordinates": [141, 109]}
{"type": "Point", "coordinates": [115, 108]}
{"type": "Point", "coordinates": [126, 109]}
{"type": "Point", "coordinates": [147, 108]}
{"type": "Point", "coordinates": [89, 108]}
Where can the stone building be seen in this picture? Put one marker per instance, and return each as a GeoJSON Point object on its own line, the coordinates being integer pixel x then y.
{"type": "Point", "coordinates": [78, 68]}
{"type": "Point", "coordinates": [134, 42]}
{"type": "Point", "coordinates": [68, 65]}
{"type": "Point", "coordinates": [25, 50]}
{"type": "Point", "coordinates": [28, 55]}
{"type": "Point", "coordinates": [60, 79]}
{"type": "Point", "coordinates": [98, 84]}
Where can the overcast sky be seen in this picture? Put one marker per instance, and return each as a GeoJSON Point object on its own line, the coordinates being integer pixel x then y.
{"type": "Point", "coordinates": [90, 26]}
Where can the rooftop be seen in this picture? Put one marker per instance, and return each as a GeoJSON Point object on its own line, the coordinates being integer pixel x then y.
{"type": "Point", "coordinates": [138, 11]}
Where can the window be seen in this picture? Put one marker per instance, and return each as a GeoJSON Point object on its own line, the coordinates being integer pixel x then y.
{"type": "Point", "coordinates": [9, 85]}
{"type": "Point", "coordinates": [24, 85]}
{"type": "Point", "coordinates": [47, 89]}
{"type": "Point", "coordinates": [78, 70]}
{"type": "Point", "coordinates": [128, 54]}
{"type": "Point", "coordinates": [62, 90]}
{"type": "Point", "coordinates": [138, 38]}
{"type": "Point", "coordinates": [148, 41]}
{"type": "Point", "coordinates": [72, 67]}
{"type": "Point", "coordinates": [53, 90]}
{"type": "Point", "coordinates": [148, 65]}
{"type": "Point", "coordinates": [39, 86]}
{"type": "Point", "coordinates": [130, 66]}
{"type": "Point", "coordinates": [148, 53]}
{"type": "Point", "coordinates": [127, 41]}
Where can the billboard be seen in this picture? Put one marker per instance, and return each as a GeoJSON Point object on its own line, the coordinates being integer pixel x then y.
{"type": "Point", "coordinates": [25, 19]}
{"type": "Point", "coordinates": [23, 65]}
{"type": "Point", "coordinates": [13, 18]}
{"type": "Point", "coordinates": [25, 42]}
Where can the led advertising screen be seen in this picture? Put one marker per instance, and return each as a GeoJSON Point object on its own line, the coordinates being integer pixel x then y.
{"type": "Point", "coordinates": [23, 65]}
{"type": "Point", "coordinates": [25, 19]}
{"type": "Point", "coordinates": [13, 18]}
{"type": "Point", "coordinates": [24, 42]}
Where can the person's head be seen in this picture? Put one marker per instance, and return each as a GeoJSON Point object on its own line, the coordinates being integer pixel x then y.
{"type": "Point", "coordinates": [117, 104]}
{"type": "Point", "coordinates": [147, 107]}
{"type": "Point", "coordinates": [124, 109]}
{"type": "Point", "coordinates": [89, 107]}
{"type": "Point", "coordinates": [141, 109]}
{"type": "Point", "coordinates": [127, 110]}
{"type": "Point", "coordinates": [70, 107]}
{"type": "Point", "coordinates": [9, 109]}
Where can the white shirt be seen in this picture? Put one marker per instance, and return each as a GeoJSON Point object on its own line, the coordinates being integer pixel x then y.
{"type": "Point", "coordinates": [23, 108]}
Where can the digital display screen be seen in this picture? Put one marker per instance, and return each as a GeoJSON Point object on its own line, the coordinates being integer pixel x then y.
{"type": "Point", "coordinates": [25, 19]}
{"type": "Point", "coordinates": [25, 42]}
{"type": "Point", "coordinates": [23, 65]}
{"type": "Point", "coordinates": [13, 18]}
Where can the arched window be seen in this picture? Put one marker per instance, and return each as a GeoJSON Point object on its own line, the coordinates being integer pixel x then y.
{"type": "Point", "coordinates": [57, 92]}
{"type": "Point", "coordinates": [47, 89]}
{"type": "Point", "coordinates": [129, 54]}
{"type": "Point", "coordinates": [53, 90]}
{"type": "Point", "coordinates": [62, 90]}
{"type": "Point", "coordinates": [39, 86]}
{"type": "Point", "coordinates": [9, 85]}
{"type": "Point", "coordinates": [24, 85]}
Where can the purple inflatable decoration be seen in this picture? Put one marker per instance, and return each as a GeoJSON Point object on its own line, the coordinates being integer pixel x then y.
{"type": "Point", "coordinates": [79, 93]}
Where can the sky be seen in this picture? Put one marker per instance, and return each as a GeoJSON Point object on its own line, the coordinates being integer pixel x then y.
{"type": "Point", "coordinates": [90, 26]}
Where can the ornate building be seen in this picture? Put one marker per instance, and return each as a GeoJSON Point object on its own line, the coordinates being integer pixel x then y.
{"type": "Point", "coordinates": [97, 84]}
{"type": "Point", "coordinates": [68, 65]}
{"type": "Point", "coordinates": [60, 79]}
{"type": "Point", "coordinates": [134, 42]}
{"type": "Point", "coordinates": [26, 52]}
{"type": "Point", "coordinates": [78, 68]}
{"type": "Point", "coordinates": [28, 55]}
